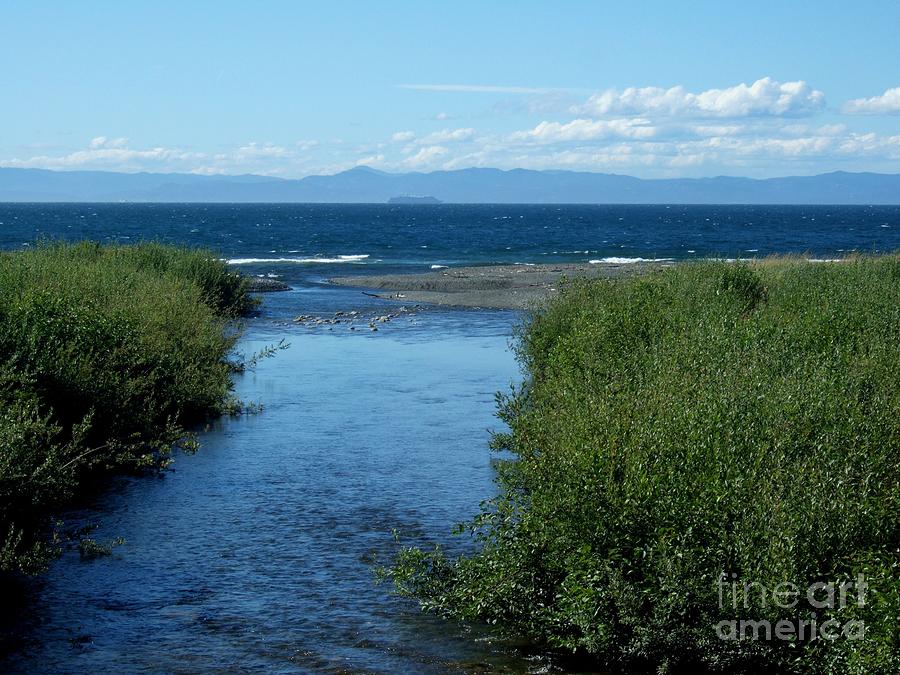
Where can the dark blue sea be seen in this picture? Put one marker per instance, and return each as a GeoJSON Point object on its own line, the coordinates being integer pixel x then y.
{"type": "Point", "coordinates": [256, 553]}
{"type": "Point", "coordinates": [452, 234]}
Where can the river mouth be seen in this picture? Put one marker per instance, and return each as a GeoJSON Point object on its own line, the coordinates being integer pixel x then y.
{"type": "Point", "coordinates": [258, 551]}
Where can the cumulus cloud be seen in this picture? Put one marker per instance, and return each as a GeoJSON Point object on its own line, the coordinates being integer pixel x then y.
{"type": "Point", "coordinates": [116, 154]}
{"type": "Point", "coordinates": [371, 160]}
{"type": "Point", "coordinates": [645, 145]}
{"type": "Point", "coordinates": [756, 147]}
{"type": "Point", "coordinates": [706, 130]}
{"type": "Point", "coordinates": [785, 147]}
{"type": "Point", "coordinates": [585, 130]}
{"type": "Point", "coordinates": [403, 136]}
{"type": "Point", "coordinates": [113, 155]}
{"type": "Point", "coordinates": [425, 157]}
{"type": "Point", "coordinates": [664, 147]}
{"type": "Point", "coordinates": [871, 144]}
{"type": "Point", "coordinates": [887, 103]}
{"type": "Point", "coordinates": [765, 97]}
{"type": "Point", "coordinates": [104, 142]}
{"type": "Point", "coordinates": [255, 150]}
{"type": "Point", "coordinates": [448, 136]}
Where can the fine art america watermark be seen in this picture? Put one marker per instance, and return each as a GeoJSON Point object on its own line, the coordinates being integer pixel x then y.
{"type": "Point", "coordinates": [742, 596]}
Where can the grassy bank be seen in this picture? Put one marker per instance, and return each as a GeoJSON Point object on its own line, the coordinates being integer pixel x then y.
{"type": "Point", "coordinates": [106, 354]}
{"type": "Point", "coordinates": [711, 419]}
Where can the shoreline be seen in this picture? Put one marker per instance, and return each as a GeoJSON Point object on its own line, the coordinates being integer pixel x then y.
{"type": "Point", "coordinates": [490, 286]}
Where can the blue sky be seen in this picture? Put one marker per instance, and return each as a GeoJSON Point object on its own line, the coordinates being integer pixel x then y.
{"type": "Point", "coordinates": [297, 88]}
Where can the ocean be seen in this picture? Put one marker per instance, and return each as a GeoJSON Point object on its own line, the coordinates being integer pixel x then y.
{"type": "Point", "coordinates": [415, 237]}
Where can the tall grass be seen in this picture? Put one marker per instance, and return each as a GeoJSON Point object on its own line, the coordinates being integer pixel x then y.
{"type": "Point", "coordinates": [106, 354]}
{"type": "Point", "coordinates": [708, 419]}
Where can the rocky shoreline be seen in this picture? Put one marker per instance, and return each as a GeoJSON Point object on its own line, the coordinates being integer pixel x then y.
{"type": "Point", "coordinates": [490, 286]}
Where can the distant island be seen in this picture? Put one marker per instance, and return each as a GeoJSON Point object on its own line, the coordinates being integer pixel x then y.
{"type": "Point", "coordinates": [464, 186]}
{"type": "Point", "coordinates": [414, 199]}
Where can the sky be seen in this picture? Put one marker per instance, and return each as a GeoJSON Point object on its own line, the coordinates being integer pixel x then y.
{"type": "Point", "coordinates": [650, 89]}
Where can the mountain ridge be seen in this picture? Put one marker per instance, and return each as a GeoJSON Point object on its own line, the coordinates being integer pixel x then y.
{"type": "Point", "coordinates": [475, 185]}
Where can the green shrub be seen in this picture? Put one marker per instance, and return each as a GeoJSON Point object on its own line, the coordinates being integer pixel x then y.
{"type": "Point", "coordinates": [712, 418]}
{"type": "Point", "coordinates": [107, 353]}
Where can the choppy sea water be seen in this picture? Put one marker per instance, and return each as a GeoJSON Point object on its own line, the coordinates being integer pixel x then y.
{"type": "Point", "coordinates": [257, 552]}
{"type": "Point", "coordinates": [451, 234]}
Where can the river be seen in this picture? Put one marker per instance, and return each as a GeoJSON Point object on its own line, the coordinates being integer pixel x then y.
{"type": "Point", "coordinates": [257, 552]}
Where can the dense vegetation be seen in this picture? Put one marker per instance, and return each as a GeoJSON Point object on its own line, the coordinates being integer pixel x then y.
{"type": "Point", "coordinates": [709, 419]}
{"type": "Point", "coordinates": [106, 354]}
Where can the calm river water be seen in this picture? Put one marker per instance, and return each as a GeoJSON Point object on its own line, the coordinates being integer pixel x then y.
{"type": "Point", "coordinates": [256, 553]}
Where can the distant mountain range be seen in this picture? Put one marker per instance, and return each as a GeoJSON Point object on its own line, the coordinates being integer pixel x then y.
{"type": "Point", "coordinates": [366, 185]}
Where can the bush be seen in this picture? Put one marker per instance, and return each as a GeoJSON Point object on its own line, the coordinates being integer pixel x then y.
{"type": "Point", "coordinates": [106, 354]}
{"type": "Point", "coordinates": [710, 419]}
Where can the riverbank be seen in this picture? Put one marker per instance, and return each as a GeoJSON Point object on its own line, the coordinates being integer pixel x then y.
{"type": "Point", "coordinates": [492, 286]}
{"type": "Point", "coordinates": [107, 355]}
{"type": "Point", "coordinates": [685, 436]}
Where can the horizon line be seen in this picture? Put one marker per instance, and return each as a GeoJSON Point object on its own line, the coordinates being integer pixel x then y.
{"type": "Point", "coordinates": [213, 176]}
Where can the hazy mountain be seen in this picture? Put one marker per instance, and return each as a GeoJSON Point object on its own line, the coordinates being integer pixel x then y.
{"type": "Point", "coordinates": [465, 185]}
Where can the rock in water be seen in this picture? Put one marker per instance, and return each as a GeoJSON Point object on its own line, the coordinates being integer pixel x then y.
{"type": "Point", "coordinates": [265, 285]}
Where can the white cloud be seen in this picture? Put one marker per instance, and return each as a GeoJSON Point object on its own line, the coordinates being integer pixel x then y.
{"type": "Point", "coordinates": [770, 147]}
{"type": "Point", "coordinates": [705, 130]}
{"type": "Point", "coordinates": [585, 130]}
{"type": "Point", "coordinates": [255, 150]}
{"type": "Point", "coordinates": [115, 157]}
{"type": "Point", "coordinates": [448, 136]}
{"type": "Point", "coordinates": [871, 144]}
{"type": "Point", "coordinates": [640, 145]}
{"type": "Point", "coordinates": [371, 160]}
{"type": "Point", "coordinates": [104, 142]}
{"type": "Point", "coordinates": [476, 88]}
{"type": "Point", "coordinates": [765, 97]}
{"type": "Point", "coordinates": [434, 138]}
{"type": "Point", "coordinates": [403, 136]}
{"type": "Point", "coordinates": [755, 148]}
{"type": "Point", "coordinates": [667, 147]}
{"type": "Point", "coordinates": [807, 130]}
{"type": "Point", "coordinates": [832, 129]}
{"type": "Point", "coordinates": [115, 154]}
{"type": "Point", "coordinates": [425, 157]}
{"type": "Point", "coordinates": [886, 104]}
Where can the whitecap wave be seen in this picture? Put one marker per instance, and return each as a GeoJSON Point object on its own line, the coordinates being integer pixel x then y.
{"type": "Point", "coordinates": [300, 261]}
{"type": "Point", "coordinates": [439, 267]}
{"type": "Point", "coordinates": [626, 261]}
